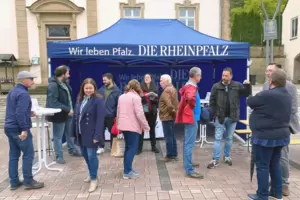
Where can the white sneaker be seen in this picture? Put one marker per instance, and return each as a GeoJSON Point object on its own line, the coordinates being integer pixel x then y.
{"type": "Point", "coordinates": [100, 150]}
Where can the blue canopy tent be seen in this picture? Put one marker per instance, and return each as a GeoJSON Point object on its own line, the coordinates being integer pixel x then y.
{"type": "Point", "coordinates": [132, 47]}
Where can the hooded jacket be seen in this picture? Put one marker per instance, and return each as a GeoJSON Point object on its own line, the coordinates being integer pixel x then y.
{"type": "Point", "coordinates": [189, 109]}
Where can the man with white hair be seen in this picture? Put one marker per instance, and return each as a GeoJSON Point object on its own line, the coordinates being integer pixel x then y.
{"type": "Point", "coordinates": [189, 111]}
{"type": "Point", "coordinates": [294, 125]}
{"type": "Point", "coordinates": [17, 129]}
{"type": "Point", "coordinates": [168, 103]}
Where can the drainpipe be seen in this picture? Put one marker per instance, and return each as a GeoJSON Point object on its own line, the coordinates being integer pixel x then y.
{"type": "Point", "coordinates": [221, 13]}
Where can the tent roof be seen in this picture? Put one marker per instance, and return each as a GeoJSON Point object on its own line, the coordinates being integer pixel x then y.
{"type": "Point", "coordinates": [160, 38]}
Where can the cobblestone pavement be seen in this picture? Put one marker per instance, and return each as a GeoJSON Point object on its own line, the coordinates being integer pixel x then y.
{"type": "Point", "coordinates": [157, 180]}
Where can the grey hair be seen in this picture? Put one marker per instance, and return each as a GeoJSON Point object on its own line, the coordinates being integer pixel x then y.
{"type": "Point", "coordinates": [166, 77]}
{"type": "Point", "coordinates": [195, 71]}
{"type": "Point", "coordinates": [278, 78]}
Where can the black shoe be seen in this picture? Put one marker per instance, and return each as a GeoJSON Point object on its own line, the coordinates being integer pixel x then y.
{"type": "Point", "coordinates": [138, 152]}
{"type": "Point", "coordinates": [14, 187]}
{"type": "Point", "coordinates": [213, 164]}
{"type": "Point", "coordinates": [34, 185]}
{"type": "Point", "coordinates": [154, 149]}
{"type": "Point", "coordinates": [75, 154]}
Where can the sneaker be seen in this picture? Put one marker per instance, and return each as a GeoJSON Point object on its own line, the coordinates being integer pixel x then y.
{"type": "Point", "coordinates": [135, 172]}
{"type": "Point", "coordinates": [175, 158]}
{"type": "Point", "coordinates": [213, 164]}
{"type": "Point", "coordinates": [130, 175]}
{"type": "Point", "coordinates": [271, 197]}
{"type": "Point", "coordinates": [14, 187]}
{"type": "Point", "coordinates": [195, 175]}
{"type": "Point", "coordinates": [34, 185]}
{"type": "Point", "coordinates": [100, 151]}
{"type": "Point", "coordinates": [228, 161]}
{"type": "Point", "coordinates": [253, 197]}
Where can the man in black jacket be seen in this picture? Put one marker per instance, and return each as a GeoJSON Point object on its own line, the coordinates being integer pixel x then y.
{"type": "Point", "coordinates": [225, 103]}
{"type": "Point", "coordinates": [269, 122]}
{"type": "Point", "coordinates": [59, 95]}
{"type": "Point", "coordinates": [111, 92]}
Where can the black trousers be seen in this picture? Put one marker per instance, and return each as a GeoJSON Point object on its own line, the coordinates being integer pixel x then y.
{"type": "Point", "coordinates": [151, 118]}
{"type": "Point", "coordinates": [108, 123]}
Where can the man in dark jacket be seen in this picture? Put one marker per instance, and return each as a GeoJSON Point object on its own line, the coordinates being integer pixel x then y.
{"type": "Point", "coordinates": [59, 95]}
{"type": "Point", "coordinates": [17, 129]}
{"type": "Point", "coordinates": [225, 103]}
{"type": "Point", "coordinates": [269, 122]}
{"type": "Point", "coordinates": [111, 92]}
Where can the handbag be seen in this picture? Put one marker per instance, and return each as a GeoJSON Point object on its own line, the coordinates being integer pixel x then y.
{"type": "Point", "coordinates": [118, 147]}
{"type": "Point", "coordinates": [114, 130]}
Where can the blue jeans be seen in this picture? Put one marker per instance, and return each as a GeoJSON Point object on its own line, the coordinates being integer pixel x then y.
{"type": "Point", "coordinates": [16, 145]}
{"type": "Point", "coordinates": [131, 146]}
{"type": "Point", "coordinates": [190, 134]}
{"type": "Point", "coordinates": [228, 126]}
{"type": "Point", "coordinates": [59, 129]}
{"type": "Point", "coordinates": [169, 135]}
{"type": "Point", "coordinates": [267, 160]}
{"type": "Point", "coordinates": [91, 159]}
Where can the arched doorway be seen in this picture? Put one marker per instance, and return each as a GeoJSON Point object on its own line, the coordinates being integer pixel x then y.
{"type": "Point", "coordinates": [297, 69]}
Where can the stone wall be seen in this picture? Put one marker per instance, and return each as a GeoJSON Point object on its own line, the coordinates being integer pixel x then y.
{"type": "Point", "coordinates": [258, 66]}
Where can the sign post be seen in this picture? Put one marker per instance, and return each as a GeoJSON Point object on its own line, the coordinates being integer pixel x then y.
{"type": "Point", "coordinates": [270, 31]}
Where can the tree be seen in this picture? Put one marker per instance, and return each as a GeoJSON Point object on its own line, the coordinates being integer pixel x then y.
{"type": "Point", "coordinates": [270, 5]}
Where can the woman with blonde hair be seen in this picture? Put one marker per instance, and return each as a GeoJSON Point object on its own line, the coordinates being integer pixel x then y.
{"type": "Point", "coordinates": [132, 122]}
{"type": "Point", "coordinates": [87, 126]}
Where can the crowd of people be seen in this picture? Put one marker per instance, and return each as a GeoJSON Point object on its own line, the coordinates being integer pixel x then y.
{"type": "Point", "coordinates": [134, 113]}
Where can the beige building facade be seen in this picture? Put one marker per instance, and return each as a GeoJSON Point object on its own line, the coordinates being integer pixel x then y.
{"type": "Point", "coordinates": [27, 25]}
{"type": "Point", "coordinates": [291, 39]}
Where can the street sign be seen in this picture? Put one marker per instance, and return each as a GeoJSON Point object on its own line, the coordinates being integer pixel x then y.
{"type": "Point", "coordinates": [270, 29]}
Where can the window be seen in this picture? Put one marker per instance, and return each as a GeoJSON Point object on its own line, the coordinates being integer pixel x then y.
{"type": "Point", "coordinates": [187, 16]}
{"type": "Point", "coordinates": [132, 12]}
{"type": "Point", "coordinates": [294, 28]}
{"type": "Point", "coordinates": [58, 32]}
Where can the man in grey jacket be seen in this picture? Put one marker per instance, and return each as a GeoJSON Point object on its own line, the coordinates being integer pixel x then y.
{"type": "Point", "coordinates": [294, 125]}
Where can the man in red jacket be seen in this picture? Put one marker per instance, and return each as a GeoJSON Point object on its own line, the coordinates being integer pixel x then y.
{"type": "Point", "coordinates": [189, 111]}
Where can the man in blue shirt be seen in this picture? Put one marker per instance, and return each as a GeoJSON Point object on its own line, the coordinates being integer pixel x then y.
{"type": "Point", "coordinates": [17, 129]}
{"type": "Point", "coordinates": [269, 123]}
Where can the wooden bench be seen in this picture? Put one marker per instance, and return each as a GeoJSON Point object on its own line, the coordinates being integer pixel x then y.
{"type": "Point", "coordinates": [247, 132]}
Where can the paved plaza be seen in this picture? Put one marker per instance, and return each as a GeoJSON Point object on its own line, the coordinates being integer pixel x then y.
{"type": "Point", "coordinates": [157, 180]}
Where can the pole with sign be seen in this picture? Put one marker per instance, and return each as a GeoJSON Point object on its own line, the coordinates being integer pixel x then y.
{"type": "Point", "coordinates": [270, 31]}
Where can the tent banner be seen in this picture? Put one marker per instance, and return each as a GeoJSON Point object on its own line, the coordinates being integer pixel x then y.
{"type": "Point", "coordinates": [152, 50]}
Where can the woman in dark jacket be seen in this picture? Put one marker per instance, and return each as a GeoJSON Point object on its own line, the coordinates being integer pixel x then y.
{"type": "Point", "coordinates": [150, 102]}
{"type": "Point", "coordinates": [87, 127]}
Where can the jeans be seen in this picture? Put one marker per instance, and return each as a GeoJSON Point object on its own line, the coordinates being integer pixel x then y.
{"type": "Point", "coordinates": [91, 159]}
{"type": "Point", "coordinates": [131, 146]}
{"type": "Point", "coordinates": [59, 129]}
{"type": "Point", "coordinates": [190, 134]}
{"type": "Point", "coordinates": [16, 145]}
{"type": "Point", "coordinates": [267, 160]}
{"type": "Point", "coordinates": [229, 127]}
{"type": "Point", "coordinates": [169, 135]}
{"type": "Point", "coordinates": [284, 164]}
{"type": "Point", "coordinates": [151, 119]}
